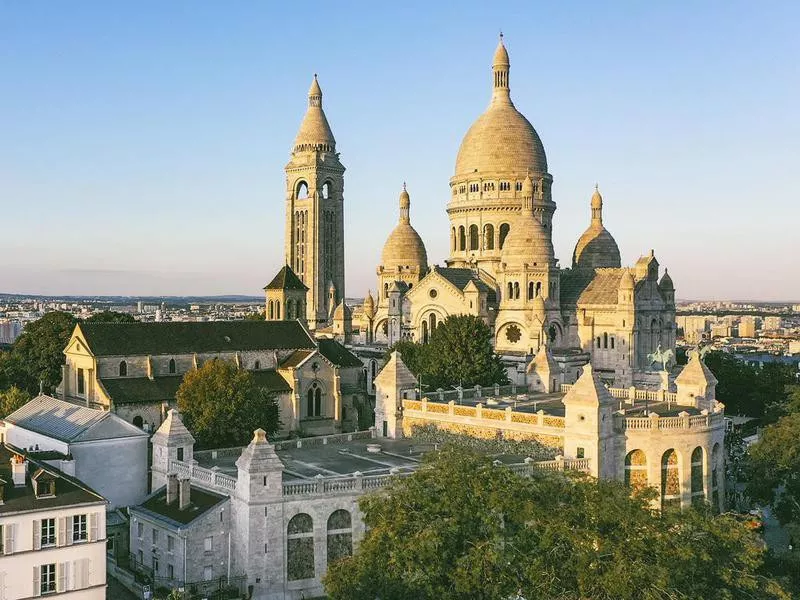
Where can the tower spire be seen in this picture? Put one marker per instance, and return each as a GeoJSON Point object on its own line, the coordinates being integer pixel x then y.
{"type": "Point", "coordinates": [500, 67]}
{"type": "Point", "coordinates": [405, 205]}
{"type": "Point", "coordinates": [597, 206]}
{"type": "Point", "coordinates": [315, 93]}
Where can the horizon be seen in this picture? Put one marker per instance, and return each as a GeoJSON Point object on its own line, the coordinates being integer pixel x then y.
{"type": "Point", "coordinates": [152, 140]}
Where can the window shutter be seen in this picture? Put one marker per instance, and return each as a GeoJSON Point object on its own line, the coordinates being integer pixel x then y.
{"type": "Point", "coordinates": [70, 529]}
{"type": "Point", "coordinates": [8, 548]}
{"type": "Point", "coordinates": [62, 531]}
{"type": "Point", "coordinates": [92, 527]}
{"type": "Point", "coordinates": [37, 534]}
{"type": "Point", "coordinates": [61, 577]}
{"type": "Point", "coordinates": [87, 572]}
{"type": "Point", "coordinates": [37, 588]}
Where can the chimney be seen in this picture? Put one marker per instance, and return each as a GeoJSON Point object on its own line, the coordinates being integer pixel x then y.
{"type": "Point", "coordinates": [19, 467]}
{"type": "Point", "coordinates": [172, 487]}
{"type": "Point", "coordinates": [184, 493]}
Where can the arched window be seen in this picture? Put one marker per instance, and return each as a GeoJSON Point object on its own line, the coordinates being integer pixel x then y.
{"type": "Point", "coordinates": [432, 322]}
{"type": "Point", "coordinates": [327, 188]}
{"type": "Point", "coordinates": [698, 493]}
{"type": "Point", "coordinates": [504, 229]}
{"type": "Point", "coordinates": [138, 421]}
{"type": "Point", "coordinates": [289, 307]}
{"type": "Point", "coordinates": [538, 289]}
{"type": "Point", "coordinates": [453, 239]}
{"type": "Point", "coordinates": [510, 291]}
{"type": "Point", "coordinates": [278, 309]}
{"type": "Point", "coordinates": [670, 480]}
{"type": "Point", "coordinates": [340, 535]}
{"type": "Point", "coordinates": [424, 332]}
{"type": "Point", "coordinates": [636, 469]}
{"type": "Point", "coordinates": [605, 340]}
{"type": "Point", "coordinates": [300, 548]}
{"type": "Point", "coordinates": [310, 403]}
{"type": "Point", "coordinates": [598, 341]}
{"type": "Point", "coordinates": [488, 237]}
{"type": "Point", "coordinates": [302, 190]}
{"type": "Point", "coordinates": [516, 290]}
{"type": "Point", "coordinates": [257, 365]}
{"type": "Point", "coordinates": [318, 402]}
{"type": "Point", "coordinates": [474, 238]}
{"type": "Point", "coordinates": [612, 342]}
{"type": "Point", "coordinates": [123, 369]}
{"type": "Point", "coordinates": [462, 238]}
{"type": "Point", "coordinates": [530, 290]}
{"type": "Point", "coordinates": [172, 368]}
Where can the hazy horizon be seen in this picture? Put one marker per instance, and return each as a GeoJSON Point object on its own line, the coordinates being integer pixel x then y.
{"type": "Point", "coordinates": [143, 146]}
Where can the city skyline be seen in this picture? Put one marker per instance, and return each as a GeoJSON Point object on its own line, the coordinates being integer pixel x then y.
{"type": "Point", "coordinates": [156, 166]}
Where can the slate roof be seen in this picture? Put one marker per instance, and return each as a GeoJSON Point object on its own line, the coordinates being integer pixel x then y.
{"type": "Point", "coordinates": [142, 390]}
{"type": "Point", "coordinates": [69, 491]}
{"type": "Point", "coordinates": [200, 503]}
{"type": "Point", "coordinates": [296, 358]}
{"type": "Point", "coordinates": [603, 288]}
{"type": "Point", "coordinates": [120, 339]}
{"type": "Point", "coordinates": [338, 354]}
{"type": "Point", "coordinates": [461, 277]}
{"type": "Point", "coordinates": [572, 282]}
{"type": "Point", "coordinates": [286, 279]}
{"type": "Point", "coordinates": [69, 422]}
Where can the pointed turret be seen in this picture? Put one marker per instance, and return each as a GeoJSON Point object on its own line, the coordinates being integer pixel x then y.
{"type": "Point", "coordinates": [315, 132]}
{"type": "Point", "coordinates": [501, 65]}
{"type": "Point", "coordinates": [544, 374]}
{"type": "Point", "coordinates": [259, 470]}
{"type": "Point", "coordinates": [369, 305]}
{"type": "Point", "coordinates": [696, 384]}
{"type": "Point", "coordinates": [172, 441]}
{"type": "Point", "coordinates": [394, 378]}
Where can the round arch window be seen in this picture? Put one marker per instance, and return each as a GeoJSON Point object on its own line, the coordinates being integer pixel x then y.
{"type": "Point", "coordinates": [433, 293]}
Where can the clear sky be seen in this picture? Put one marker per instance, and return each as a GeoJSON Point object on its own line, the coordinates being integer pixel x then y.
{"type": "Point", "coordinates": [142, 144]}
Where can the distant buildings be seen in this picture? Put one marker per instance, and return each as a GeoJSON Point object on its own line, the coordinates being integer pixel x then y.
{"type": "Point", "coordinates": [747, 327]}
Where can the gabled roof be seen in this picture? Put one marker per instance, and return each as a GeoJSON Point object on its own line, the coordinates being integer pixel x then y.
{"type": "Point", "coordinates": [172, 432]}
{"type": "Point", "coordinates": [603, 288]}
{"type": "Point", "coordinates": [461, 277]}
{"type": "Point", "coordinates": [296, 358]}
{"type": "Point", "coordinates": [69, 422]}
{"type": "Point", "coordinates": [286, 279]}
{"type": "Point", "coordinates": [338, 354]}
{"type": "Point", "coordinates": [395, 374]}
{"type": "Point", "coordinates": [125, 339]}
{"type": "Point", "coordinates": [271, 380]}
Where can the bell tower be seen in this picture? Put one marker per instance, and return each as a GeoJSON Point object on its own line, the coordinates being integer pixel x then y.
{"type": "Point", "coordinates": [314, 241]}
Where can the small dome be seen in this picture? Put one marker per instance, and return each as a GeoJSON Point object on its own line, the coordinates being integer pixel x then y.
{"type": "Point", "coordinates": [597, 199]}
{"type": "Point", "coordinates": [404, 246]}
{"type": "Point", "coordinates": [666, 282]}
{"type": "Point", "coordinates": [626, 282]}
{"type": "Point", "coordinates": [596, 248]}
{"type": "Point", "coordinates": [528, 243]}
{"type": "Point", "coordinates": [369, 305]}
{"type": "Point", "coordinates": [501, 55]}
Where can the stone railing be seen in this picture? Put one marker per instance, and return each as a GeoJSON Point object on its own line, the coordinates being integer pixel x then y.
{"type": "Point", "coordinates": [208, 478]}
{"type": "Point", "coordinates": [476, 392]}
{"type": "Point", "coordinates": [324, 440]}
{"type": "Point", "coordinates": [702, 422]}
{"type": "Point", "coordinates": [357, 483]}
{"type": "Point", "coordinates": [634, 393]}
{"type": "Point", "coordinates": [506, 418]}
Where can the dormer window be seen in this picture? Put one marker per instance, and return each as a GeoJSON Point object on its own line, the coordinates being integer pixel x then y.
{"type": "Point", "coordinates": [44, 484]}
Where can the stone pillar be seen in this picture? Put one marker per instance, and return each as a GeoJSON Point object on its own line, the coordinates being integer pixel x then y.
{"type": "Point", "coordinates": [337, 401]}
{"type": "Point", "coordinates": [685, 475]}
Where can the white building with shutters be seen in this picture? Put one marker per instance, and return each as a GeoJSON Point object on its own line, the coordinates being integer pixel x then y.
{"type": "Point", "coordinates": [52, 531]}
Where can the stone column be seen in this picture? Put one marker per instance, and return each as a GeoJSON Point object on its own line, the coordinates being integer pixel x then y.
{"type": "Point", "coordinates": [685, 474]}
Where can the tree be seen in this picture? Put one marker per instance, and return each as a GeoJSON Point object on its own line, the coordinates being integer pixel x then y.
{"type": "Point", "coordinates": [110, 316]}
{"type": "Point", "coordinates": [38, 354]}
{"type": "Point", "coordinates": [222, 405]}
{"type": "Point", "coordinates": [460, 527]}
{"type": "Point", "coordinates": [459, 353]}
{"type": "Point", "coordinates": [12, 399]}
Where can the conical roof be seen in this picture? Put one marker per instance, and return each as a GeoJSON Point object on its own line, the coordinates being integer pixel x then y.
{"type": "Point", "coordinates": [696, 372]}
{"type": "Point", "coordinates": [369, 305]}
{"type": "Point", "coordinates": [315, 132]}
{"type": "Point", "coordinates": [666, 282]}
{"type": "Point", "coordinates": [395, 374]}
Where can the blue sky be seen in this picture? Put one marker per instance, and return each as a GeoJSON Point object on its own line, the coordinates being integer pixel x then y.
{"type": "Point", "coordinates": [142, 144]}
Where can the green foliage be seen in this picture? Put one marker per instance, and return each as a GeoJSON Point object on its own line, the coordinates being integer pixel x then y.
{"type": "Point", "coordinates": [750, 391]}
{"type": "Point", "coordinates": [38, 354]}
{"type": "Point", "coordinates": [460, 352]}
{"type": "Point", "coordinates": [12, 399]}
{"type": "Point", "coordinates": [110, 316]}
{"type": "Point", "coordinates": [460, 527]}
{"type": "Point", "coordinates": [222, 406]}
